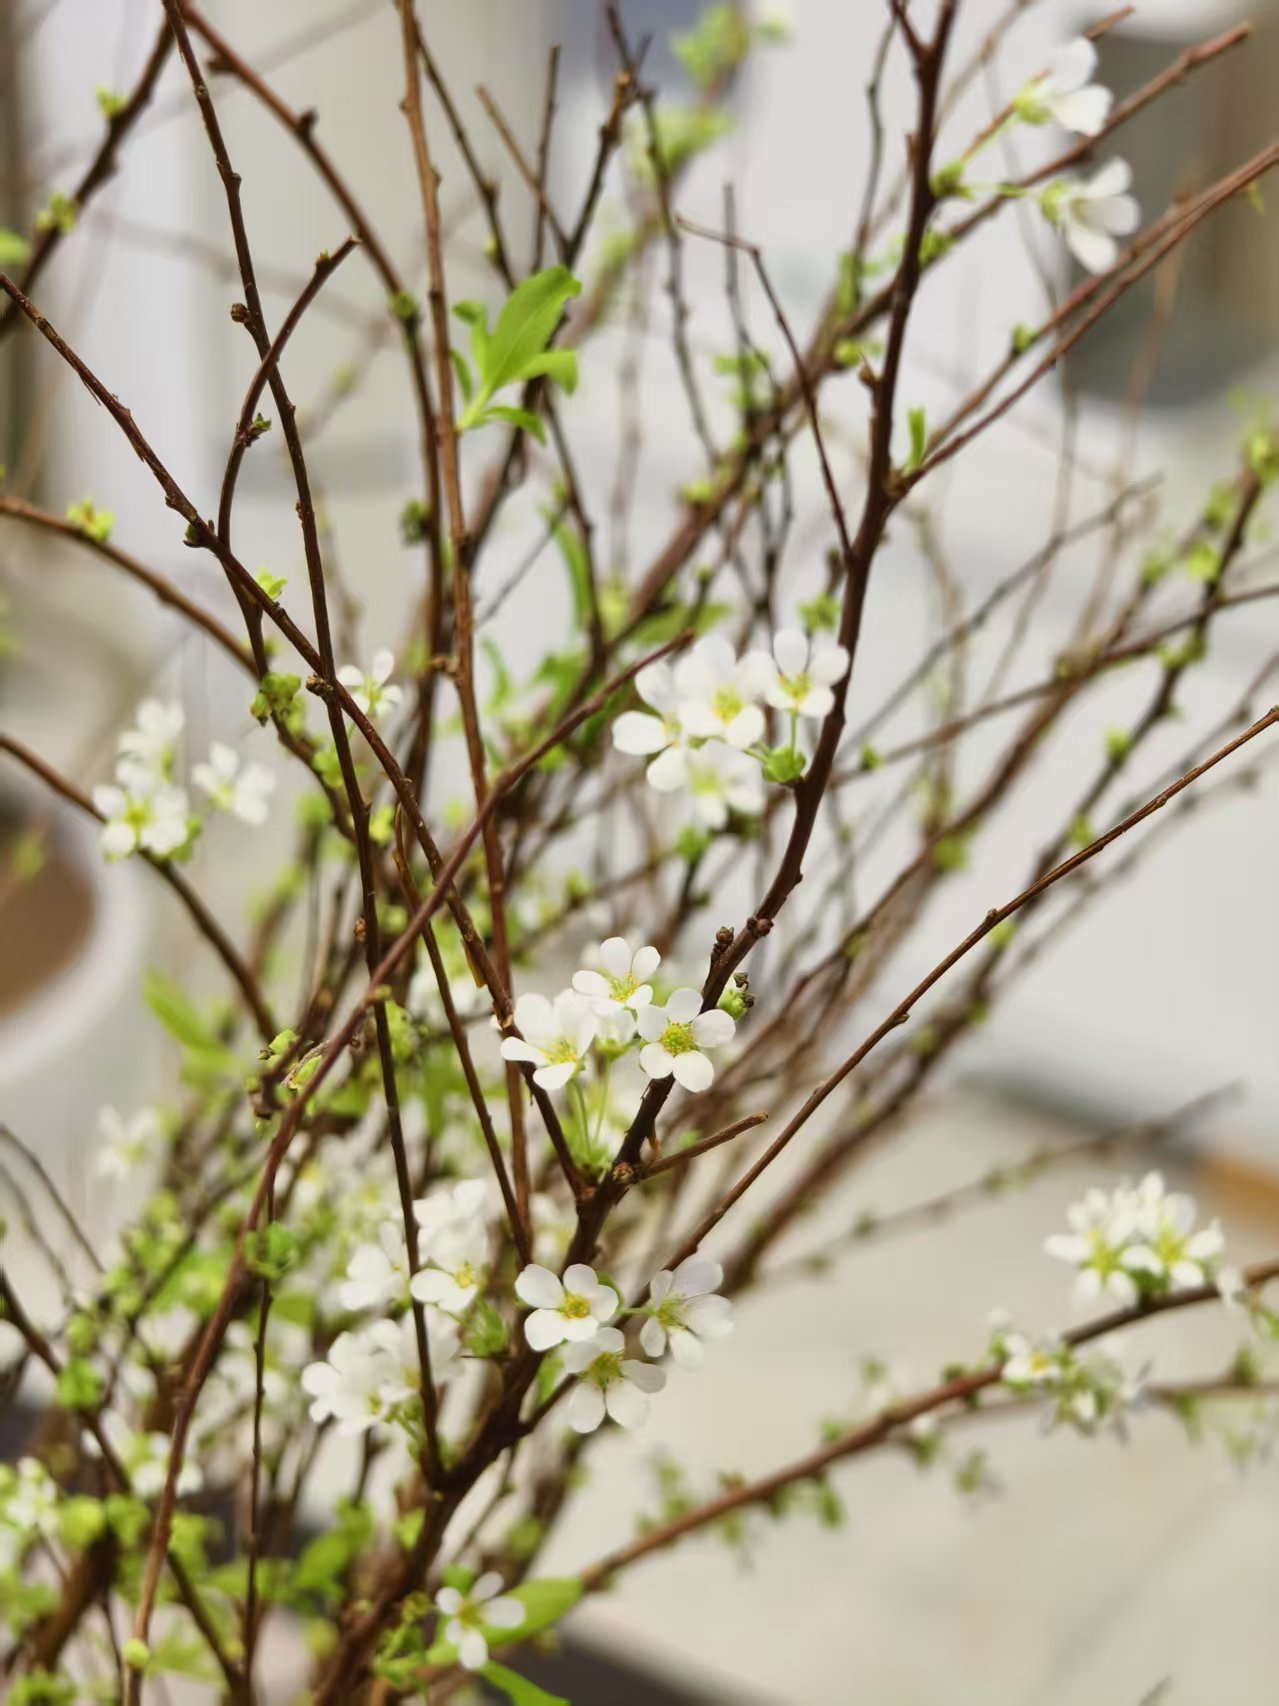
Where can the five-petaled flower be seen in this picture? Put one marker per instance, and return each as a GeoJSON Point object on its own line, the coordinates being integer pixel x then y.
{"type": "Point", "coordinates": [621, 981]}
{"type": "Point", "coordinates": [676, 1036]}
{"type": "Point", "coordinates": [453, 1246]}
{"type": "Point", "coordinates": [372, 692]}
{"type": "Point", "coordinates": [684, 1310]}
{"type": "Point", "coordinates": [141, 812]}
{"type": "Point", "coordinates": [1065, 94]}
{"type": "Point", "coordinates": [126, 1143]}
{"type": "Point", "coordinates": [608, 1382]}
{"type": "Point", "coordinates": [717, 693]}
{"type": "Point", "coordinates": [719, 779]}
{"type": "Point", "coordinates": [554, 1036]}
{"type": "Point", "coordinates": [347, 1387]}
{"type": "Point", "coordinates": [243, 792]}
{"type": "Point", "coordinates": [467, 1615]}
{"type": "Point", "coordinates": [563, 1310]}
{"type": "Point", "coordinates": [803, 672]}
{"type": "Point", "coordinates": [1093, 213]}
{"type": "Point", "coordinates": [150, 743]}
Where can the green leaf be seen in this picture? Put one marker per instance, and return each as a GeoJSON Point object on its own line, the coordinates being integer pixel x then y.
{"type": "Point", "coordinates": [462, 372]}
{"type": "Point", "coordinates": [14, 249]}
{"type": "Point", "coordinates": [573, 552]}
{"type": "Point", "coordinates": [517, 417]}
{"type": "Point", "coordinates": [518, 349]}
{"type": "Point", "coordinates": [918, 423]}
{"type": "Point", "coordinates": [544, 1602]}
{"type": "Point", "coordinates": [177, 1013]}
{"type": "Point", "coordinates": [518, 1689]}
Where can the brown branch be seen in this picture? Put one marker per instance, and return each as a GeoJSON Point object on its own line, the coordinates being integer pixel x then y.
{"type": "Point", "coordinates": [17, 509]}
{"type": "Point", "coordinates": [99, 171]}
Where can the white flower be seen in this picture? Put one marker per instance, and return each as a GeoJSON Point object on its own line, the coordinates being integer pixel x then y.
{"type": "Point", "coordinates": [1027, 1364]}
{"type": "Point", "coordinates": [608, 1383]}
{"type": "Point", "coordinates": [563, 1310]}
{"type": "Point", "coordinates": [1101, 1226]}
{"type": "Point", "coordinates": [141, 812]}
{"type": "Point", "coordinates": [676, 1035]}
{"type": "Point", "coordinates": [719, 779]}
{"type": "Point", "coordinates": [371, 692]}
{"type": "Point", "coordinates": [467, 1615]}
{"type": "Point", "coordinates": [348, 1387]}
{"type": "Point", "coordinates": [684, 1310]}
{"type": "Point", "coordinates": [717, 693]}
{"type": "Point", "coordinates": [554, 1036]}
{"type": "Point", "coordinates": [1166, 1246]}
{"type": "Point", "coordinates": [638, 732]}
{"type": "Point", "coordinates": [1064, 93]}
{"type": "Point", "coordinates": [245, 793]}
{"type": "Point", "coordinates": [1092, 213]}
{"type": "Point", "coordinates": [376, 1274]}
{"type": "Point", "coordinates": [150, 744]}
{"type": "Point", "coordinates": [802, 673]}
{"type": "Point", "coordinates": [402, 1371]}
{"type": "Point", "coordinates": [453, 1246]}
{"type": "Point", "coordinates": [623, 981]}
{"type": "Point", "coordinates": [125, 1143]}
{"type": "Point", "coordinates": [1137, 1240]}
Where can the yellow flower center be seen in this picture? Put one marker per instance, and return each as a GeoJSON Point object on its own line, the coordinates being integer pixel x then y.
{"type": "Point", "coordinates": [575, 1306]}
{"type": "Point", "coordinates": [677, 1039]}
{"type": "Point", "coordinates": [605, 1369]}
{"type": "Point", "coordinates": [797, 687]}
{"type": "Point", "coordinates": [622, 988]}
{"type": "Point", "coordinates": [726, 703]}
{"type": "Point", "coordinates": [561, 1052]}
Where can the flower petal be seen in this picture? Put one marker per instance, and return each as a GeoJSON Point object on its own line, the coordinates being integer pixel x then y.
{"type": "Point", "coordinates": [684, 1004]}
{"type": "Point", "coordinates": [714, 1028]}
{"type": "Point", "coordinates": [693, 1070]}
{"type": "Point", "coordinates": [585, 1409]}
{"type": "Point", "coordinates": [539, 1287]}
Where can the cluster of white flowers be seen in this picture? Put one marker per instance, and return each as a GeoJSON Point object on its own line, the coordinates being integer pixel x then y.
{"type": "Point", "coordinates": [1086, 1388]}
{"type": "Point", "coordinates": [1091, 213]}
{"type": "Point", "coordinates": [608, 1005]}
{"type": "Point", "coordinates": [1136, 1241]}
{"type": "Point", "coordinates": [373, 692]}
{"type": "Point", "coordinates": [145, 810]}
{"type": "Point", "coordinates": [705, 729]}
{"type": "Point", "coordinates": [373, 1375]}
{"type": "Point", "coordinates": [683, 1311]}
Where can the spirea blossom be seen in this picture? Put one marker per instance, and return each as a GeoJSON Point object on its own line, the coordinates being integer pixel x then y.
{"type": "Point", "coordinates": [453, 1246]}
{"type": "Point", "coordinates": [467, 1616]}
{"type": "Point", "coordinates": [1093, 213]}
{"type": "Point", "coordinates": [609, 1383]}
{"type": "Point", "coordinates": [1085, 1387]}
{"type": "Point", "coordinates": [563, 1310]}
{"type": "Point", "coordinates": [243, 791]}
{"type": "Point", "coordinates": [1064, 93]}
{"type": "Point", "coordinates": [152, 741]}
{"type": "Point", "coordinates": [374, 693]}
{"type": "Point", "coordinates": [685, 1312]}
{"type": "Point", "coordinates": [126, 1144]}
{"type": "Point", "coordinates": [622, 978]}
{"type": "Point", "coordinates": [718, 694]}
{"type": "Point", "coordinates": [1135, 1241]}
{"type": "Point", "coordinates": [141, 813]}
{"type": "Point", "coordinates": [677, 1036]}
{"type": "Point", "coordinates": [377, 1273]}
{"type": "Point", "coordinates": [554, 1036]}
{"type": "Point", "coordinates": [802, 672]}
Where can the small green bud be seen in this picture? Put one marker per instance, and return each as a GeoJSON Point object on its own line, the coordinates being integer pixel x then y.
{"type": "Point", "coordinates": [136, 1653]}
